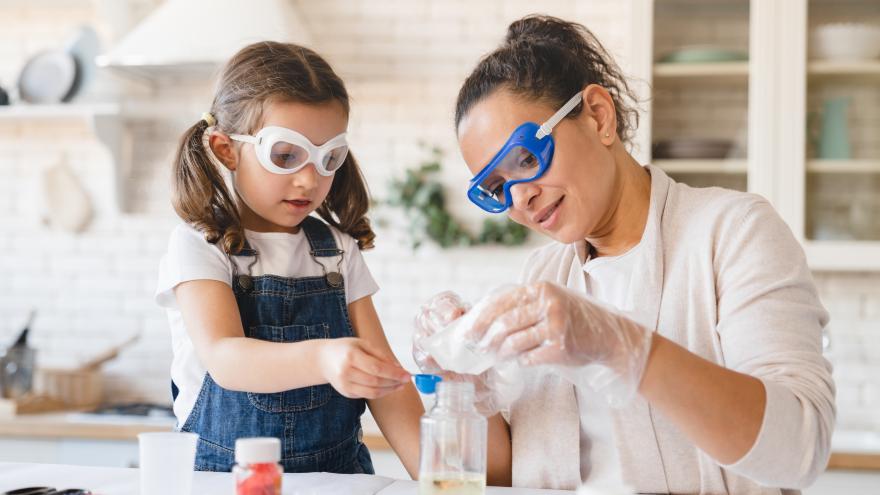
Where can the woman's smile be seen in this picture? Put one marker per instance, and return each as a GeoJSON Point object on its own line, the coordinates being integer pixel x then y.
{"type": "Point", "coordinates": [548, 217]}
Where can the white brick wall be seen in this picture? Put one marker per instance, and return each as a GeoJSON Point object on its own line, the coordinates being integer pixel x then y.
{"type": "Point", "coordinates": [854, 332]}
{"type": "Point", "coordinates": [94, 289]}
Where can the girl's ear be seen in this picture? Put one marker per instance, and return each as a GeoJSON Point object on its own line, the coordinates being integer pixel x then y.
{"type": "Point", "coordinates": [224, 149]}
{"type": "Point", "coordinates": [599, 105]}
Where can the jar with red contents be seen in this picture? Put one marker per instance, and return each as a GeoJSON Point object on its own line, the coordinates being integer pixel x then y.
{"type": "Point", "coordinates": [257, 471]}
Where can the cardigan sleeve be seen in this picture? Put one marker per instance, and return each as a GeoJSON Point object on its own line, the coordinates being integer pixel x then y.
{"type": "Point", "coordinates": [770, 322]}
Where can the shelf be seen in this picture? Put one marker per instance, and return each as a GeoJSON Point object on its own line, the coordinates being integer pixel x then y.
{"type": "Point", "coordinates": [740, 70]}
{"type": "Point", "coordinates": [106, 120]}
{"type": "Point", "coordinates": [824, 68]}
{"type": "Point", "coordinates": [843, 255]}
{"type": "Point", "coordinates": [844, 166]}
{"type": "Point", "coordinates": [733, 71]}
{"type": "Point", "coordinates": [701, 166]}
{"type": "Point", "coordinates": [58, 111]}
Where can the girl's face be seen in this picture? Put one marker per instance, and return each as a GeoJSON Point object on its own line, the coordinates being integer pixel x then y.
{"type": "Point", "coordinates": [574, 197]}
{"type": "Point", "coordinates": [278, 203]}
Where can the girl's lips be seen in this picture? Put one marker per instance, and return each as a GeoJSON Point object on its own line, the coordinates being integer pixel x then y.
{"type": "Point", "coordinates": [298, 204]}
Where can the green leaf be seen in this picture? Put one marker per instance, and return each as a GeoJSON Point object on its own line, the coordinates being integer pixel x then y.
{"type": "Point", "coordinates": [421, 196]}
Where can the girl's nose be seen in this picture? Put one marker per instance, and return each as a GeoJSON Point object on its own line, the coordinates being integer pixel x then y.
{"type": "Point", "coordinates": [306, 178]}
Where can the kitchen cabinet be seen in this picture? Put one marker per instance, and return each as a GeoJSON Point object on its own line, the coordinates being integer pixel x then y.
{"type": "Point", "coordinates": [745, 96]}
{"type": "Point", "coordinates": [842, 102]}
{"type": "Point", "coordinates": [700, 91]}
{"type": "Point", "coordinates": [107, 122]}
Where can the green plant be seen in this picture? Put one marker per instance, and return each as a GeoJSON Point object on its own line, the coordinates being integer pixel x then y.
{"type": "Point", "coordinates": [423, 200]}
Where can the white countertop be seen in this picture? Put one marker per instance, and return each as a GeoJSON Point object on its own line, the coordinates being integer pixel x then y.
{"type": "Point", "coordinates": [121, 481]}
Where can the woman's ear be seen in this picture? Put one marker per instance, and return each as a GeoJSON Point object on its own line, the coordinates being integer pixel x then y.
{"type": "Point", "coordinates": [224, 149]}
{"type": "Point", "coordinates": [599, 105]}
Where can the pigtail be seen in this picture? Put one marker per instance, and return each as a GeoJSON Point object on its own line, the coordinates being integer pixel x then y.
{"type": "Point", "coordinates": [347, 203]}
{"type": "Point", "coordinates": [199, 193]}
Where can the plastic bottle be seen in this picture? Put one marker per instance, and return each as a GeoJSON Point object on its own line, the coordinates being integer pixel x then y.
{"type": "Point", "coordinates": [453, 443]}
{"type": "Point", "coordinates": [256, 470]}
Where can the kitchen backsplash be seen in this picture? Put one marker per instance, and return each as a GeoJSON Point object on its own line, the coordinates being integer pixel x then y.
{"type": "Point", "coordinates": [94, 289]}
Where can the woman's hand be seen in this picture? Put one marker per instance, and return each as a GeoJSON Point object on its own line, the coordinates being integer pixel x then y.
{"type": "Point", "coordinates": [436, 314]}
{"type": "Point", "coordinates": [359, 370]}
{"type": "Point", "coordinates": [545, 323]}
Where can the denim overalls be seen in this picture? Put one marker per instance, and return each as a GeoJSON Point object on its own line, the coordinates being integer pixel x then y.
{"type": "Point", "coordinates": [320, 430]}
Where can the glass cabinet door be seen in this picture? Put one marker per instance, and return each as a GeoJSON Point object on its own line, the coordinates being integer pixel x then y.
{"type": "Point", "coordinates": [700, 91]}
{"type": "Point", "coordinates": [842, 197]}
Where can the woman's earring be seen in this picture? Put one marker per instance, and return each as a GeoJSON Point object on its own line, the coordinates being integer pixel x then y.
{"type": "Point", "coordinates": [607, 135]}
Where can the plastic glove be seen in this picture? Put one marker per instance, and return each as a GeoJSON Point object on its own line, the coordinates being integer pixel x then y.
{"type": "Point", "coordinates": [434, 316]}
{"type": "Point", "coordinates": [495, 388]}
{"type": "Point", "coordinates": [546, 324]}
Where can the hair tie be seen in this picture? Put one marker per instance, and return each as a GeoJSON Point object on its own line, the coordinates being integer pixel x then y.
{"type": "Point", "coordinates": [207, 117]}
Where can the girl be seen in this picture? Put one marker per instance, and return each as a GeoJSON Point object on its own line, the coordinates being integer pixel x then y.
{"type": "Point", "coordinates": [273, 328]}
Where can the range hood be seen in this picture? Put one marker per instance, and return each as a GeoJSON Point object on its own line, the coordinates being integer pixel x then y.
{"type": "Point", "coordinates": [193, 38]}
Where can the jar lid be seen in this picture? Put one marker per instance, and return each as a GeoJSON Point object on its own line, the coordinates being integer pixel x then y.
{"type": "Point", "coordinates": [257, 450]}
{"type": "Point", "coordinates": [427, 384]}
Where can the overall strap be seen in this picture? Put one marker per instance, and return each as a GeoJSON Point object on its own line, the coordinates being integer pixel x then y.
{"type": "Point", "coordinates": [245, 281]}
{"type": "Point", "coordinates": [322, 244]}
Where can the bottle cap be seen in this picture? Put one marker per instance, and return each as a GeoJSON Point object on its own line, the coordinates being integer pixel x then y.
{"type": "Point", "coordinates": [427, 384]}
{"type": "Point", "coordinates": [257, 450]}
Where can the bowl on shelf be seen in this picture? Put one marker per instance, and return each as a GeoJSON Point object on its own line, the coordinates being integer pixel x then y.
{"type": "Point", "coordinates": [851, 41]}
{"type": "Point", "coordinates": [703, 54]}
{"type": "Point", "coordinates": [692, 148]}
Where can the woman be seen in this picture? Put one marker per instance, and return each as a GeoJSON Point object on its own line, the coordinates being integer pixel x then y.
{"type": "Point", "coordinates": [696, 304]}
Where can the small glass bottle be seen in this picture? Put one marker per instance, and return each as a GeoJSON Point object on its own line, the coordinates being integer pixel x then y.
{"type": "Point", "coordinates": [256, 470]}
{"type": "Point", "coordinates": [453, 444]}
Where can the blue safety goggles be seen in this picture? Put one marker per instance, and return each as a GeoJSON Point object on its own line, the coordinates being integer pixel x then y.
{"type": "Point", "coordinates": [525, 157]}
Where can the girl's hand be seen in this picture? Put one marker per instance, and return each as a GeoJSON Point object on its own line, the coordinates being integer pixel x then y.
{"type": "Point", "coordinates": [358, 370]}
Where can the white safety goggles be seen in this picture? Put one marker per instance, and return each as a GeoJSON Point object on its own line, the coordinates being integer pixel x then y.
{"type": "Point", "coordinates": [285, 151]}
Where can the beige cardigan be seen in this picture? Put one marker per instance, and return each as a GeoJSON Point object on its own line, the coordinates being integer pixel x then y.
{"type": "Point", "coordinates": [723, 276]}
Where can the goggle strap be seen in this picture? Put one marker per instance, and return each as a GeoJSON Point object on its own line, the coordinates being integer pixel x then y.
{"type": "Point", "coordinates": [547, 127]}
{"type": "Point", "coordinates": [245, 138]}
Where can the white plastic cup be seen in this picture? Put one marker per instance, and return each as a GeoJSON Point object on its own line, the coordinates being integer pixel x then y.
{"type": "Point", "coordinates": [167, 460]}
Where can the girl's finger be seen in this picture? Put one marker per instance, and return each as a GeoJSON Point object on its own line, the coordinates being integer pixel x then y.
{"type": "Point", "coordinates": [358, 377]}
{"type": "Point", "coordinates": [364, 392]}
{"type": "Point", "coordinates": [372, 365]}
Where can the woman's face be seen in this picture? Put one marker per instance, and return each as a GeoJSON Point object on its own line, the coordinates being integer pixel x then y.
{"type": "Point", "coordinates": [274, 202]}
{"type": "Point", "coordinates": [573, 199]}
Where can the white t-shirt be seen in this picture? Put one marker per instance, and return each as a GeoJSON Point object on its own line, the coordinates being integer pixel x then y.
{"type": "Point", "coordinates": [190, 257]}
{"type": "Point", "coordinates": [608, 279]}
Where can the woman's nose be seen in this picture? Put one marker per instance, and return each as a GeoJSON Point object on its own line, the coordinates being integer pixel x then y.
{"type": "Point", "coordinates": [522, 195]}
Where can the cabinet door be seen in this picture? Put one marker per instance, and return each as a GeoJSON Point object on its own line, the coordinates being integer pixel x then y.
{"type": "Point", "coordinates": [842, 197]}
{"type": "Point", "coordinates": [701, 91]}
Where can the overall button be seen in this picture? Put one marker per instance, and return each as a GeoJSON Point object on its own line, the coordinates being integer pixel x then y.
{"type": "Point", "coordinates": [334, 279]}
{"type": "Point", "coordinates": [246, 282]}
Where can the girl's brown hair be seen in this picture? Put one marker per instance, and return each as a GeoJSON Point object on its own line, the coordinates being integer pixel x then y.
{"type": "Point", "coordinates": [549, 60]}
{"type": "Point", "coordinates": [256, 76]}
